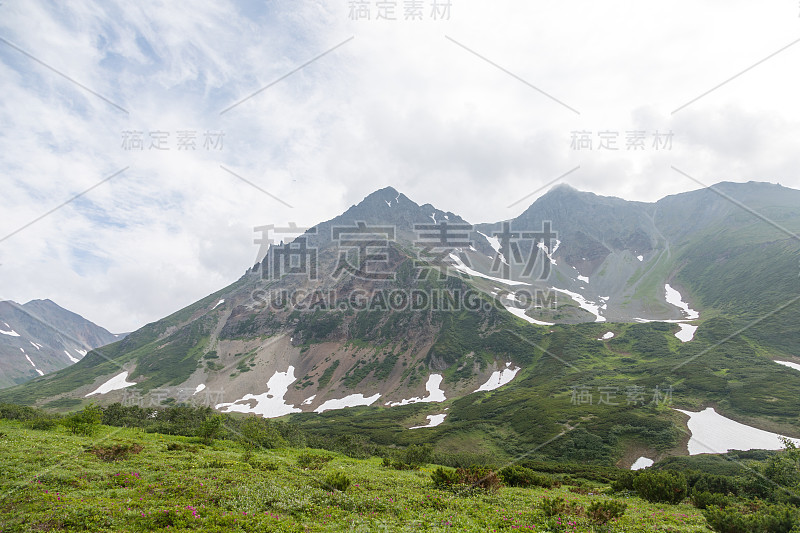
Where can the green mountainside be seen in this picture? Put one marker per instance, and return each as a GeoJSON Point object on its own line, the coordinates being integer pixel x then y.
{"type": "Point", "coordinates": [576, 395]}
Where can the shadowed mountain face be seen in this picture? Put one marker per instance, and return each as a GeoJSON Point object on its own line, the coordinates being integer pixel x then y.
{"type": "Point", "coordinates": [414, 311]}
{"type": "Point", "coordinates": [40, 337]}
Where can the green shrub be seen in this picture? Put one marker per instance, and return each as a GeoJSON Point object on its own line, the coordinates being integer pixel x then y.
{"type": "Point", "coordinates": [263, 465]}
{"type": "Point", "coordinates": [768, 519]}
{"type": "Point", "coordinates": [115, 452]}
{"type": "Point", "coordinates": [603, 512]}
{"type": "Point", "coordinates": [444, 477]}
{"type": "Point", "coordinates": [400, 465]}
{"type": "Point", "coordinates": [580, 489]}
{"type": "Point", "coordinates": [519, 476]}
{"type": "Point", "coordinates": [417, 455]}
{"type": "Point", "coordinates": [479, 477]}
{"type": "Point", "coordinates": [18, 412]}
{"type": "Point", "coordinates": [624, 481]}
{"type": "Point", "coordinates": [312, 461]}
{"type": "Point", "coordinates": [337, 481]}
{"type": "Point", "coordinates": [260, 433]}
{"type": "Point", "coordinates": [466, 481]}
{"type": "Point", "coordinates": [704, 499]}
{"type": "Point", "coordinates": [41, 423]}
{"type": "Point", "coordinates": [178, 447]}
{"type": "Point", "coordinates": [85, 422]}
{"type": "Point", "coordinates": [715, 483]}
{"type": "Point", "coordinates": [210, 429]}
{"type": "Point", "coordinates": [666, 486]}
{"type": "Point", "coordinates": [216, 462]}
{"type": "Point", "coordinates": [554, 506]}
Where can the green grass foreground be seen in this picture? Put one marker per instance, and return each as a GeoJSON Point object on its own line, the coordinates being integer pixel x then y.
{"type": "Point", "coordinates": [51, 481]}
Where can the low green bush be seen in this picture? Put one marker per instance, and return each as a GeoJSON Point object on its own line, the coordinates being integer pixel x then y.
{"type": "Point", "coordinates": [519, 476]}
{"type": "Point", "coordinates": [666, 486]}
{"type": "Point", "coordinates": [312, 461]}
{"type": "Point", "coordinates": [260, 433]}
{"type": "Point", "coordinates": [85, 422]}
{"type": "Point", "coordinates": [465, 480]}
{"type": "Point", "coordinates": [400, 465]}
{"type": "Point", "coordinates": [444, 477]}
{"type": "Point", "coordinates": [258, 464]}
{"type": "Point", "coordinates": [337, 481]}
{"type": "Point", "coordinates": [479, 477]}
{"type": "Point", "coordinates": [178, 447]}
{"type": "Point", "coordinates": [716, 484]}
{"type": "Point", "coordinates": [18, 412]}
{"type": "Point", "coordinates": [704, 499]}
{"type": "Point", "coordinates": [768, 519]}
{"type": "Point", "coordinates": [624, 482]}
{"type": "Point", "coordinates": [417, 455]}
{"type": "Point", "coordinates": [210, 429]}
{"type": "Point", "coordinates": [115, 452]}
{"type": "Point", "coordinates": [41, 423]}
{"type": "Point", "coordinates": [602, 512]}
{"type": "Point", "coordinates": [554, 506]}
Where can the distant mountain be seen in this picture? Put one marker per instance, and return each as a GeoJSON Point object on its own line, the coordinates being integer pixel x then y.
{"type": "Point", "coordinates": [618, 255]}
{"type": "Point", "coordinates": [40, 337]}
{"type": "Point", "coordinates": [491, 328]}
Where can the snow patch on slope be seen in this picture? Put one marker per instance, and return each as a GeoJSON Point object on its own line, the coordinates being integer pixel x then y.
{"type": "Point", "coordinates": [521, 313]}
{"type": "Point", "coordinates": [218, 304]}
{"type": "Point", "coordinates": [714, 433]}
{"type": "Point", "coordinates": [674, 297]}
{"type": "Point", "coordinates": [461, 267]}
{"type": "Point", "coordinates": [433, 421]}
{"type": "Point", "coordinates": [74, 360]}
{"type": "Point", "coordinates": [32, 363]}
{"type": "Point", "coordinates": [435, 394]}
{"type": "Point", "coordinates": [641, 462]}
{"type": "Point", "coordinates": [547, 252]}
{"type": "Point", "coordinates": [685, 333]}
{"type": "Point", "coordinates": [120, 381]}
{"type": "Point", "coordinates": [499, 378]}
{"type": "Point", "coordinates": [270, 404]}
{"type": "Point", "coordinates": [354, 400]}
{"type": "Point", "coordinates": [494, 242]}
{"type": "Point", "coordinates": [789, 364]}
{"type": "Point", "coordinates": [310, 399]}
{"type": "Point", "coordinates": [586, 304]}
{"type": "Point", "coordinates": [10, 331]}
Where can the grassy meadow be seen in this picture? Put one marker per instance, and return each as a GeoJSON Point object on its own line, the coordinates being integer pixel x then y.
{"type": "Point", "coordinates": [124, 479]}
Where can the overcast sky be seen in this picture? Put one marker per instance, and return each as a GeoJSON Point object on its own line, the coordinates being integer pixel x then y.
{"type": "Point", "coordinates": [470, 110]}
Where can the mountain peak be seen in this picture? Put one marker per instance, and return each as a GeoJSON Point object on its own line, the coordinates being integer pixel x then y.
{"type": "Point", "coordinates": [388, 196]}
{"type": "Point", "coordinates": [565, 187]}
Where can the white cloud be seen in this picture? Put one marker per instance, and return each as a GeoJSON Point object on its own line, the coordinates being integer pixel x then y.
{"type": "Point", "coordinates": [398, 105]}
